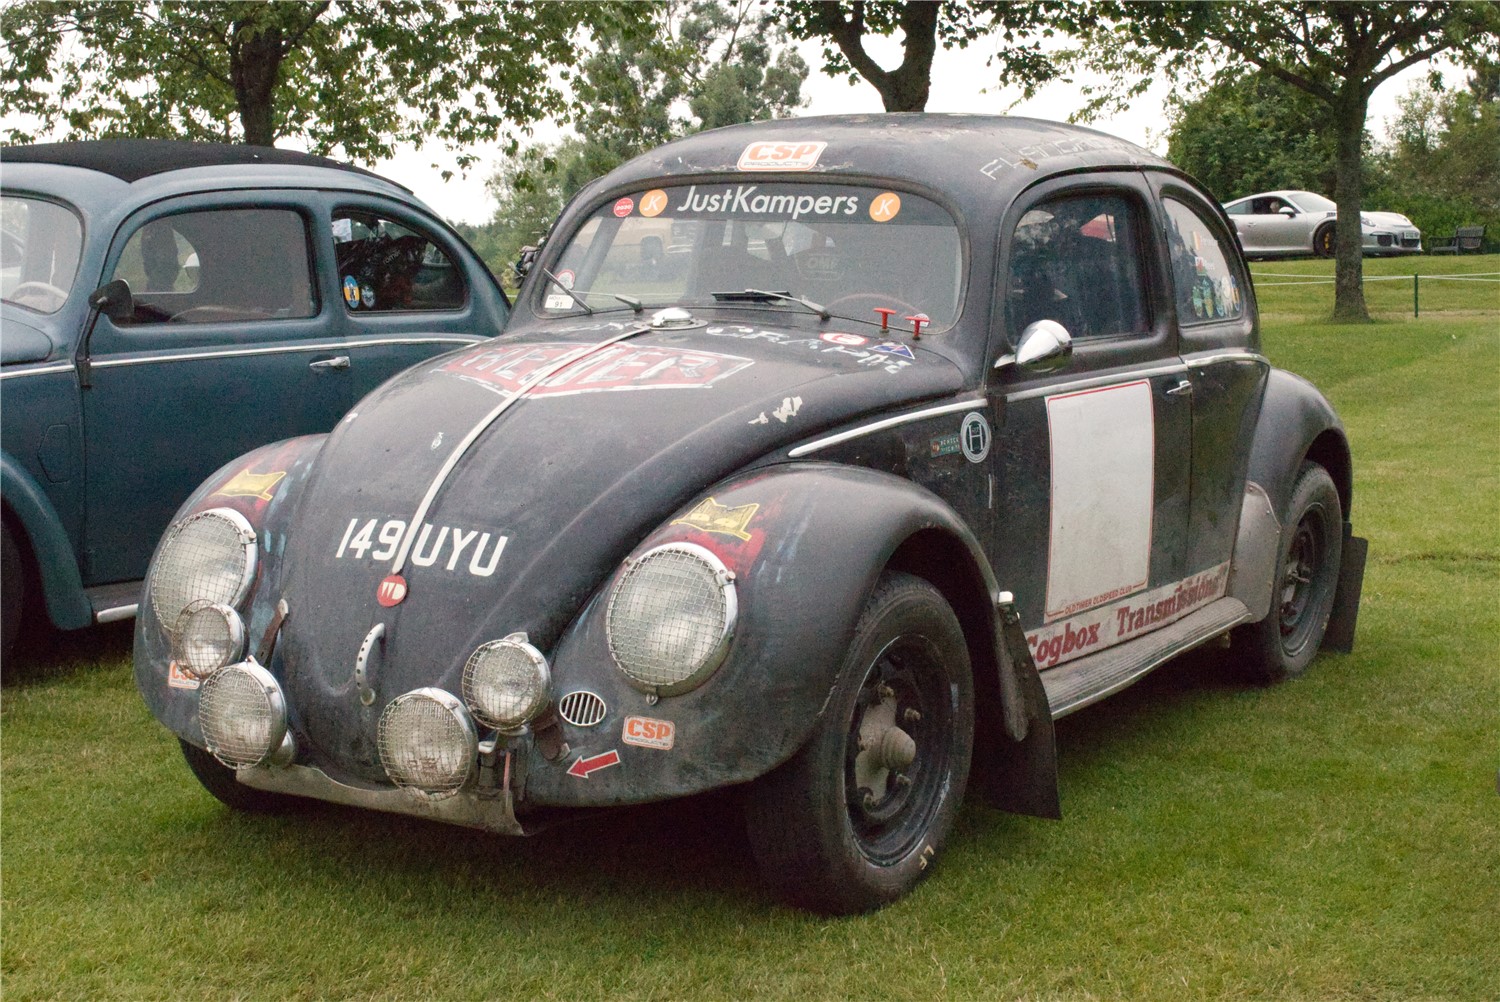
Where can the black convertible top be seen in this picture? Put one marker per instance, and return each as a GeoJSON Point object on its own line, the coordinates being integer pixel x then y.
{"type": "Point", "coordinates": [133, 159]}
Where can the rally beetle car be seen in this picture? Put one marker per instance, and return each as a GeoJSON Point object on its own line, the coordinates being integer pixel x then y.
{"type": "Point", "coordinates": [831, 459]}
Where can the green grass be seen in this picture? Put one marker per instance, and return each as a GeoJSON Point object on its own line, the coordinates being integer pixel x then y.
{"type": "Point", "coordinates": [1333, 838]}
{"type": "Point", "coordinates": [1388, 287]}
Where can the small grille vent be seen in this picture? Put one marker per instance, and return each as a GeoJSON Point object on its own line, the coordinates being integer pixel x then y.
{"type": "Point", "coordinates": [582, 708]}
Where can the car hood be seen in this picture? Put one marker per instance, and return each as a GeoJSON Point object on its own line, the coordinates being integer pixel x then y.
{"type": "Point", "coordinates": [20, 342]}
{"type": "Point", "coordinates": [548, 499]}
{"type": "Point", "coordinates": [1387, 219]}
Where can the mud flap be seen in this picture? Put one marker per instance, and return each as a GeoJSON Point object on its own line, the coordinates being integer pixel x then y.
{"type": "Point", "coordinates": [1020, 768]}
{"type": "Point", "coordinates": [1339, 636]}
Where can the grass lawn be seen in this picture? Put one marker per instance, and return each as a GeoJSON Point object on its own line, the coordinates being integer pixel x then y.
{"type": "Point", "coordinates": [1333, 838]}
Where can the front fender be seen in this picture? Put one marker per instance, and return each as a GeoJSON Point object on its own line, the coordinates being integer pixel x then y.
{"type": "Point", "coordinates": [807, 543]}
{"type": "Point", "coordinates": [57, 567]}
{"type": "Point", "coordinates": [262, 486]}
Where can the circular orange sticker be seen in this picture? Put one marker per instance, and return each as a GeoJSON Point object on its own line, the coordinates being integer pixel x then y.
{"type": "Point", "coordinates": [885, 206]}
{"type": "Point", "coordinates": [653, 202]}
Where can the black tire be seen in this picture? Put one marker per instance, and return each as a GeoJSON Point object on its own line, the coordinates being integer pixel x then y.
{"type": "Point", "coordinates": [218, 779]}
{"type": "Point", "coordinates": [840, 830]}
{"type": "Point", "coordinates": [1323, 240]}
{"type": "Point", "coordinates": [12, 593]}
{"type": "Point", "coordinates": [1283, 644]}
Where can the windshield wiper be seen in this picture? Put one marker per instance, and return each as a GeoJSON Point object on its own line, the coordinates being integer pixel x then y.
{"type": "Point", "coordinates": [763, 296]}
{"type": "Point", "coordinates": [571, 294]}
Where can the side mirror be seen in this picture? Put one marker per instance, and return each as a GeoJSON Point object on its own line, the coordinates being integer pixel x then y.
{"type": "Point", "coordinates": [114, 300]}
{"type": "Point", "coordinates": [525, 261]}
{"type": "Point", "coordinates": [1287, 211]}
{"type": "Point", "coordinates": [1045, 346]}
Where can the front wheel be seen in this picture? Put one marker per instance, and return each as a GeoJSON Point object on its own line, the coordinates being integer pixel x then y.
{"type": "Point", "coordinates": [1283, 644]}
{"type": "Point", "coordinates": [858, 816]}
{"type": "Point", "coordinates": [218, 779]}
{"type": "Point", "coordinates": [1323, 243]}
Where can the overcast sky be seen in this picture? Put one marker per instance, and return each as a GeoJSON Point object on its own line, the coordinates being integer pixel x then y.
{"type": "Point", "coordinates": [960, 82]}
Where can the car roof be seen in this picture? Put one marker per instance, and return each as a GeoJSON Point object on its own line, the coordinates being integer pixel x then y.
{"type": "Point", "coordinates": [133, 159]}
{"type": "Point", "coordinates": [972, 159]}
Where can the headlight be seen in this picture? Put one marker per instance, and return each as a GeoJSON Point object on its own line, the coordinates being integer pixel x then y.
{"type": "Point", "coordinates": [243, 715]}
{"type": "Point", "coordinates": [209, 635]}
{"type": "Point", "coordinates": [670, 618]}
{"type": "Point", "coordinates": [505, 682]}
{"type": "Point", "coordinates": [209, 556]}
{"type": "Point", "coordinates": [427, 742]}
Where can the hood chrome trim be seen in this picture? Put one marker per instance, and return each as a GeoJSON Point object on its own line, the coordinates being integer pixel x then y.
{"type": "Point", "coordinates": [869, 429]}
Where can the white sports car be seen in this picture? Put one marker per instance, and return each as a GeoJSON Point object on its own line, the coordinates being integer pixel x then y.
{"type": "Point", "coordinates": [1284, 223]}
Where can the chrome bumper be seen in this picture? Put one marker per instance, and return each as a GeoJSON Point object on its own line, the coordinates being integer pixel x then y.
{"type": "Point", "coordinates": [488, 809]}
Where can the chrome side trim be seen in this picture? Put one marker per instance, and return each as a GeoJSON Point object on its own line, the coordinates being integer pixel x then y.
{"type": "Point", "coordinates": [494, 811]}
{"type": "Point", "coordinates": [1226, 356]}
{"type": "Point", "coordinates": [1088, 384]}
{"type": "Point", "coordinates": [39, 371]}
{"type": "Point", "coordinates": [283, 349]}
{"type": "Point", "coordinates": [891, 422]}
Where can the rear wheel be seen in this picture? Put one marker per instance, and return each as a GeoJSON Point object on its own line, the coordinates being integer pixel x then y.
{"type": "Point", "coordinates": [1283, 644]}
{"type": "Point", "coordinates": [218, 779]}
{"type": "Point", "coordinates": [858, 816]}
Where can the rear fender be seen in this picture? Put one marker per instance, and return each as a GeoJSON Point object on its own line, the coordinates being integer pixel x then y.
{"type": "Point", "coordinates": [262, 486]}
{"type": "Point", "coordinates": [807, 544]}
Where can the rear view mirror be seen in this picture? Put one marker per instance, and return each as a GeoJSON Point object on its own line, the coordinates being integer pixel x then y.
{"type": "Point", "coordinates": [1045, 346]}
{"type": "Point", "coordinates": [114, 300]}
{"type": "Point", "coordinates": [1287, 211]}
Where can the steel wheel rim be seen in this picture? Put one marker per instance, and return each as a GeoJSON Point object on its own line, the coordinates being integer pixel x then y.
{"type": "Point", "coordinates": [1299, 579]}
{"type": "Point", "coordinates": [889, 820]}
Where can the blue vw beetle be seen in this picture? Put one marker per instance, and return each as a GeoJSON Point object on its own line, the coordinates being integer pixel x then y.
{"type": "Point", "coordinates": [167, 306]}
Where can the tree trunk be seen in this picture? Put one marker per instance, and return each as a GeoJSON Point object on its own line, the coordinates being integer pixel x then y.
{"type": "Point", "coordinates": [906, 87]}
{"type": "Point", "coordinates": [1348, 191]}
{"type": "Point", "coordinates": [254, 64]}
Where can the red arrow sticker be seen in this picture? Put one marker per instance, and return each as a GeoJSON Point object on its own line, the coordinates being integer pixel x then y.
{"type": "Point", "coordinates": [582, 767]}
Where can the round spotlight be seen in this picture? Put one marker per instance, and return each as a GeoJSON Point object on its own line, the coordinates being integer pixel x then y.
{"type": "Point", "coordinates": [427, 742]}
{"type": "Point", "coordinates": [208, 557]}
{"type": "Point", "coordinates": [505, 682]}
{"type": "Point", "coordinates": [243, 715]}
{"type": "Point", "coordinates": [671, 616]}
{"type": "Point", "coordinates": [209, 635]}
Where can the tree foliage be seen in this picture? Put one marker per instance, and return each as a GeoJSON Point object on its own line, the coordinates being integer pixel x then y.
{"type": "Point", "coordinates": [844, 27]}
{"type": "Point", "coordinates": [347, 77]}
{"type": "Point", "coordinates": [1336, 52]}
{"type": "Point", "coordinates": [706, 64]}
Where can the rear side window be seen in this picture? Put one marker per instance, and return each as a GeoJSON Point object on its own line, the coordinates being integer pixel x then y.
{"type": "Point", "coordinates": [1207, 285]}
{"type": "Point", "coordinates": [390, 267]}
{"type": "Point", "coordinates": [39, 247]}
{"type": "Point", "coordinates": [219, 266]}
{"type": "Point", "coordinates": [1077, 260]}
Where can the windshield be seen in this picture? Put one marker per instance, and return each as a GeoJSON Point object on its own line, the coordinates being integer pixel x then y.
{"type": "Point", "coordinates": [39, 246]}
{"type": "Point", "coordinates": [1314, 203]}
{"type": "Point", "coordinates": [847, 249]}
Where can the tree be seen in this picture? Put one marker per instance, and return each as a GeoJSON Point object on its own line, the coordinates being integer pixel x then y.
{"type": "Point", "coordinates": [1253, 132]}
{"type": "Point", "coordinates": [1336, 52]}
{"type": "Point", "coordinates": [705, 64]}
{"type": "Point", "coordinates": [353, 76]}
{"type": "Point", "coordinates": [844, 27]}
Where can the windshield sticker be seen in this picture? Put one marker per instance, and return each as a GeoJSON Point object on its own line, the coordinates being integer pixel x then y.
{"type": "Point", "coordinates": [618, 367]}
{"type": "Point", "coordinates": [710, 516]}
{"type": "Point", "coordinates": [839, 337]}
{"type": "Point", "coordinates": [885, 206]}
{"type": "Point", "coordinates": [351, 291]}
{"type": "Point", "coordinates": [624, 206]}
{"type": "Point", "coordinates": [376, 541]}
{"type": "Point", "coordinates": [742, 200]}
{"type": "Point", "coordinates": [367, 296]}
{"type": "Point", "coordinates": [653, 202]}
{"type": "Point", "coordinates": [781, 156]}
{"type": "Point", "coordinates": [566, 278]}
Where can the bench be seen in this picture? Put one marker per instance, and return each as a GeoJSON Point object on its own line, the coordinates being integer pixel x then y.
{"type": "Point", "coordinates": [1464, 240]}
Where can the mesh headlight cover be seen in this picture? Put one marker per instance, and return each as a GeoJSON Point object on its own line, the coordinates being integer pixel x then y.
{"type": "Point", "coordinates": [243, 715]}
{"type": "Point", "coordinates": [206, 557]}
{"type": "Point", "coordinates": [505, 682]}
{"type": "Point", "coordinates": [427, 742]}
{"type": "Point", "coordinates": [671, 617]}
{"type": "Point", "coordinates": [209, 635]}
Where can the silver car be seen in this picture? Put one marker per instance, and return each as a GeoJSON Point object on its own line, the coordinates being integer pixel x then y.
{"type": "Point", "coordinates": [1284, 223]}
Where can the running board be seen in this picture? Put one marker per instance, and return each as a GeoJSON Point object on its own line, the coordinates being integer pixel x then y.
{"type": "Point", "coordinates": [1088, 680]}
{"type": "Point", "coordinates": [114, 602]}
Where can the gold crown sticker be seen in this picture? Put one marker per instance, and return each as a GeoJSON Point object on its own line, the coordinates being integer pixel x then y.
{"type": "Point", "coordinates": [710, 516]}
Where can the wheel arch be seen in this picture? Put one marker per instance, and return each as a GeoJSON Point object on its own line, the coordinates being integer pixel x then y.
{"type": "Point", "coordinates": [45, 547]}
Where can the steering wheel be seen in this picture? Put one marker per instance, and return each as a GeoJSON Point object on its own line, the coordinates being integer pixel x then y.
{"type": "Point", "coordinates": [45, 288]}
{"type": "Point", "coordinates": [870, 300]}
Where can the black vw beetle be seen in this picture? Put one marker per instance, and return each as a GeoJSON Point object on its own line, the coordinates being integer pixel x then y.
{"type": "Point", "coordinates": [834, 458]}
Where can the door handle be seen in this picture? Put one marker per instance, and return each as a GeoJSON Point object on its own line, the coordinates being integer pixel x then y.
{"type": "Point", "coordinates": [1180, 389]}
{"type": "Point", "coordinates": [336, 362]}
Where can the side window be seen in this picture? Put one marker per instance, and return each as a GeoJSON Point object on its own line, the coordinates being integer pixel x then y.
{"type": "Point", "coordinates": [218, 266]}
{"type": "Point", "coordinates": [1239, 209]}
{"type": "Point", "coordinates": [1207, 285]}
{"type": "Point", "coordinates": [1077, 260]}
{"type": "Point", "coordinates": [390, 267]}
